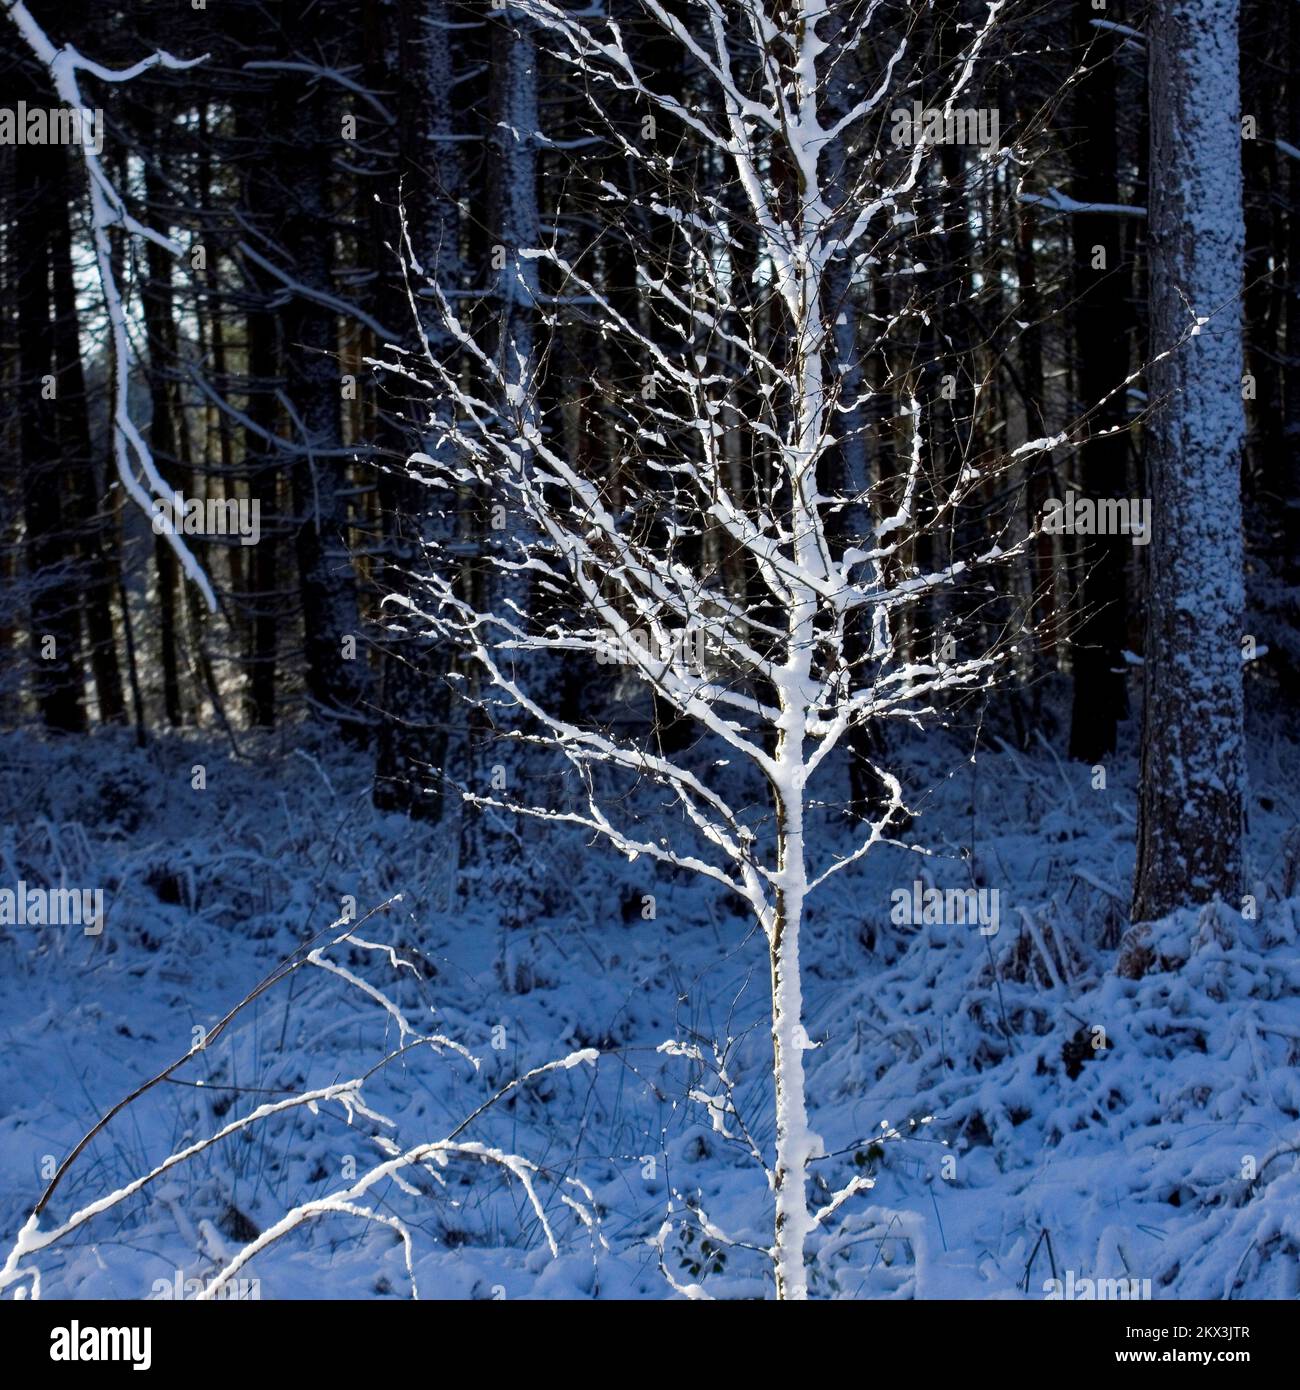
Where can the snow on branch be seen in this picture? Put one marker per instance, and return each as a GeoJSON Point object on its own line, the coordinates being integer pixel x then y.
{"type": "Point", "coordinates": [1135, 36]}
{"type": "Point", "coordinates": [107, 210]}
{"type": "Point", "coordinates": [18, 1269]}
{"type": "Point", "coordinates": [729, 593]}
{"type": "Point", "coordinates": [1056, 201]}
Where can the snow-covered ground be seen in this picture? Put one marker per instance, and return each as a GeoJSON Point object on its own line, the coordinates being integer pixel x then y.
{"type": "Point", "coordinates": [956, 1069]}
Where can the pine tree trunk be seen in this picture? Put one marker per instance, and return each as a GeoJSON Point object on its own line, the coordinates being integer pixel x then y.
{"type": "Point", "coordinates": [55, 627]}
{"type": "Point", "coordinates": [1291, 357]}
{"type": "Point", "coordinates": [338, 683]}
{"type": "Point", "coordinates": [1193, 774]}
{"type": "Point", "coordinates": [1101, 364]}
{"type": "Point", "coordinates": [261, 600]}
{"type": "Point", "coordinates": [160, 331]}
{"type": "Point", "coordinates": [493, 847]}
{"type": "Point", "coordinates": [1262, 292]}
{"type": "Point", "coordinates": [89, 506]}
{"type": "Point", "coordinates": [415, 708]}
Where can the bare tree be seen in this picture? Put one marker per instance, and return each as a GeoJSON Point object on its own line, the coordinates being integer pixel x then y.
{"type": "Point", "coordinates": [732, 596]}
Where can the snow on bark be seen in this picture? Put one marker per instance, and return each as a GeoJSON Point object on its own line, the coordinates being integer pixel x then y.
{"type": "Point", "coordinates": [1193, 783]}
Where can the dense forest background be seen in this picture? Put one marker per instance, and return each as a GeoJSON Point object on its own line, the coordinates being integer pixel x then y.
{"type": "Point", "coordinates": [279, 164]}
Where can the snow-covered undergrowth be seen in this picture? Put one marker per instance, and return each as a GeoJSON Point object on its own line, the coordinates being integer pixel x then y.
{"type": "Point", "coordinates": [962, 1072]}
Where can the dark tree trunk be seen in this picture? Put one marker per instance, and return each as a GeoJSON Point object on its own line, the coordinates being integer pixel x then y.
{"type": "Point", "coordinates": [88, 503]}
{"type": "Point", "coordinates": [51, 541]}
{"type": "Point", "coordinates": [1289, 467]}
{"type": "Point", "coordinates": [338, 684]}
{"type": "Point", "coordinates": [1101, 348]}
{"type": "Point", "coordinates": [415, 708]}
{"type": "Point", "coordinates": [1263, 280]}
{"type": "Point", "coordinates": [160, 332]}
{"type": "Point", "coordinates": [262, 602]}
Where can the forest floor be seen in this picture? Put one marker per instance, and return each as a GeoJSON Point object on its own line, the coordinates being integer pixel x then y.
{"type": "Point", "coordinates": [961, 1071]}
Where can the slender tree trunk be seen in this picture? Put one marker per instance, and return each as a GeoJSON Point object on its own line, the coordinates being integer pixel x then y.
{"type": "Point", "coordinates": [337, 676]}
{"type": "Point", "coordinates": [415, 708]}
{"type": "Point", "coordinates": [864, 742]}
{"type": "Point", "coordinates": [811, 337]}
{"type": "Point", "coordinates": [262, 601]}
{"type": "Point", "coordinates": [1041, 559]}
{"type": "Point", "coordinates": [1291, 360]}
{"type": "Point", "coordinates": [515, 226]}
{"type": "Point", "coordinates": [1264, 450]}
{"type": "Point", "coordinates": [160, 330]}
{"type": "Point", "coordinates": [1101, 363]}
{"type": "Point", "coordinates": [795, 1144]}
{"type": "Point", "coordinates": [90, 507]}
{"type": "Point", "coordinates": [217, 419]}
{"type": "Point", "coordinates": [58, 677]}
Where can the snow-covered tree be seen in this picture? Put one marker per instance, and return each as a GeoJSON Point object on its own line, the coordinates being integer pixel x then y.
{"type": "Point", "coordinates": [736, 594]}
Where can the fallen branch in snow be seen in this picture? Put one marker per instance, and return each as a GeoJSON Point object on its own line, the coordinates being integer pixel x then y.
{"type": "Point", "coordinates": [281, 972]}
{"type": "Point", "coordinates": [429, 1156]}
